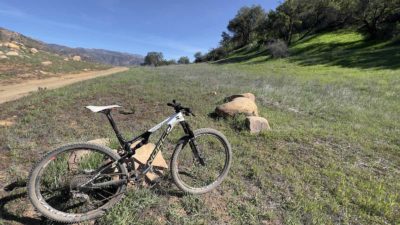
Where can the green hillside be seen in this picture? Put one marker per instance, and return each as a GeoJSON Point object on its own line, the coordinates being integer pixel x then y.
{"type": "Point", "coordinates": [332, 156]}
{"type": "Point", "coordinates": [343, 48]}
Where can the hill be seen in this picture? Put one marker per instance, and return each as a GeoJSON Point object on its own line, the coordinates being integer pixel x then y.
{"type": "Point", "coordinates": [19, 61]}
{"type": "Point", "coordinates": [342, 48]}
{"type": "Point", "coordinates": [91, 55]}
{"type": "Point", "coordinates": [332, 156]}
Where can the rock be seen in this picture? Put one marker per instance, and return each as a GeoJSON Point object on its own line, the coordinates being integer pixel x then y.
{"type": "Point", "coordinates": [236, 106]}
{"type": "Point", "coordinates": [12, 53]}
{"type": "Point", "coordinates": [246, 95]}
{"type": "Point", "coordinates": [6, 123]}
{"type": "Point", "coordinates": [99, 141]}
{"type": "Point", "coordinates": [76, 58]}
{"type": "Point", "coordinates": [249, 96]}
{"type": "Point", "coordinates": [47, 63]}
{"type": "Point", "coordinates": [43, 72]}
{"type": "Point", "coordinates": [33, 50]}
{"type": "Point", "coordinates": [76, 156]}
{"type": "Point", "coordinates": [66, 59]}
{"type": "Point", "coordinates": [257, 124]}
{"type": "Point", "coordinates": [142, 155]}
{"type": "Point", "coordinates": [3, 57]}
{"type": "Point", "coordinates": [1, 53]}
{"type": "Point", "coordinates": [12, 45]}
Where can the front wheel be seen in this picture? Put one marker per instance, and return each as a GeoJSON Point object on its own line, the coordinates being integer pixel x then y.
{"type": "Point", "coordinates": [200, 169]}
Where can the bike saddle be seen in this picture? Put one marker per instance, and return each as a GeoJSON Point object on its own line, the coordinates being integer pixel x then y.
{"type": "Point", "coordinates": [101, 108]}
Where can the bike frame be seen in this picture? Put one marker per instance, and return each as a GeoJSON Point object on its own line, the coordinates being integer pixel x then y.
{"type": "Point", "coordinates": [144, 137]}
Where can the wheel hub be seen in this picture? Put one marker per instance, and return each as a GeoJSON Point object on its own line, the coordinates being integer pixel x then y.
{"type": "Point", "coordinates": [77, 181]}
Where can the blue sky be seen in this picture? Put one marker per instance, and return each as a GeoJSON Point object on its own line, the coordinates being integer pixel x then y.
{"type": "Point", "coordinates": [174, 27]}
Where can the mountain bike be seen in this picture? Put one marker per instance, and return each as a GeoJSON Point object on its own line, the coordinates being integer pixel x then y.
{"type": "Point", "coordinates": [81, 181]}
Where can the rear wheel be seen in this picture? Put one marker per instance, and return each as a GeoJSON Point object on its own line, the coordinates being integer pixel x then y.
{"type": "Point", "coordinates": [192, 176]}
{"type": "Point", "coordinates": [77, 182]}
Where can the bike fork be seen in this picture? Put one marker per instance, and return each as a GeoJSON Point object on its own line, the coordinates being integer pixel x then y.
{"type": "Point", "coordinates": [193, 145]}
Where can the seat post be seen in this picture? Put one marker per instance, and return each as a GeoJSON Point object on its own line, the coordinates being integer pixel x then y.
{"type": "Point", "coordinates": [114, 126]}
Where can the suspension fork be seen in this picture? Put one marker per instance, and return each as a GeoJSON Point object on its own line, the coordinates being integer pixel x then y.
{"type": "Point", "coordinates": [192, 142]}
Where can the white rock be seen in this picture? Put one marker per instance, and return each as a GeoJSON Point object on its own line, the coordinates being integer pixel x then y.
{"type": "Point", "coordinates": [12, 53]}
{"type": "Point", "coordinates": [257, 124]}
{"type": "Point", "coordinates": [46, 63]}
{"type": "Point", "coordinates": [77, 58]}
{"type": "Point", "coordinates": [12, 45]}
{"type": "Point", "coordinates": [33, 50]}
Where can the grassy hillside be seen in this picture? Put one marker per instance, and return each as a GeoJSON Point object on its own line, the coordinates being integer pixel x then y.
{"type": "Point", "coordinates": [27, 64]}
{"type": "Point", "coordinates": [332, 156]}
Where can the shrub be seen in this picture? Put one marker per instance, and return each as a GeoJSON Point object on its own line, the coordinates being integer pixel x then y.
{"type": "Point", "coordinates": [238, 122]}
{"type": "Point", "coordinates": [278, 49]}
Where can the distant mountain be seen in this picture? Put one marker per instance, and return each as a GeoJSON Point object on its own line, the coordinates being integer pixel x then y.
{"type": "Point", "coordinates": [91, 55]}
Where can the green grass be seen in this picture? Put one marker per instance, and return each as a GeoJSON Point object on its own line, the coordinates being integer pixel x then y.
{"type": "Point", "coordinates": [332, 156]}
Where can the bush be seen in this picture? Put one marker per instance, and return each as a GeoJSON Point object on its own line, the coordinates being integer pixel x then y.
{"type": "Point", "coordinates": [238, 122]}
{"type": "Point", "coordinates": [278, 49]}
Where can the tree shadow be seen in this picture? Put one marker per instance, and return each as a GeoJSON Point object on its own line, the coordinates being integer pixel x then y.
{"type": "Point", "coordinates": [359, 54]}
{"type": "Point", "coordinates": [242, 58]}
{"type": "Point", "coordinates": [165, 188]}
{"type": "Point", "coordinates": [10, 216]}
{"type": "Point", "coordinates": [6, 215]}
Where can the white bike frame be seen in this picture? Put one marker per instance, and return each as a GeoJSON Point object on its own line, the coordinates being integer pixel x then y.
{"type": "Point", "coordinates": [171, 121]}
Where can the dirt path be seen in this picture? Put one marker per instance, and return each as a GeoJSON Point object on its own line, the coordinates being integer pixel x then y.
{"type": "Point", "coordinates": [15, 91]}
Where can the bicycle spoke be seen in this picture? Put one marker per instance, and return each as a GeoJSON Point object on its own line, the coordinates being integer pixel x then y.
{"type": "Point", "coordinates": [79, 181]}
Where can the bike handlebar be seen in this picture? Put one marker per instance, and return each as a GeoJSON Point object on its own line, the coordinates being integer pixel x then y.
{"type": "Point", "coordinates": [178, 108]}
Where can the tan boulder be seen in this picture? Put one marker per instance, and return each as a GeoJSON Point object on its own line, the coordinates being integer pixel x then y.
{"type": "Point", "coordinates": [99, 141]}
{"type": "Point", "coordinates": [66, 59]}
{"type": "Point", "coordinates": [12, 53]}
{"type": "Point", "coordinates": [3, 57]}
{"type": "Point", "coordinates": [141, 156]}
{"type": "Point", "coordinates": [77, 58]}
{"type": "Point", "coordinates": [33, 50]}
{"type": "Point", "coordinates": [76, 156]}
{"type": "Point", "coordinates": [246, 95]}
{"type": "Point", "coordinates": [257, 124]}
{"type": "Point", "coordinates": [46, 63]}
{"type": "Point", "coordinates": [12, 45]}
{"type": "Point", "coordinates": [236, 106]}
{"type": "Point", "coordinates": [1, 53]}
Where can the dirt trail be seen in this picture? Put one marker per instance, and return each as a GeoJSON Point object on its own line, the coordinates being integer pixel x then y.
{"type": "Point", "coordinates": [14, 91]}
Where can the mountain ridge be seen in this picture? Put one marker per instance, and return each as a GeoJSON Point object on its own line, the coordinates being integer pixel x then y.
{"type": "Point", "coordinates": [88, 54]}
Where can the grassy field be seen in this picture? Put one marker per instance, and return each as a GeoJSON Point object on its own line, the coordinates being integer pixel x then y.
{"type": "Point", "coordinates": [332, 156]}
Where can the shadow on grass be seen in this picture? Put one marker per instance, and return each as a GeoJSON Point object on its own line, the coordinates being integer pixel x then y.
{"type": "Point", "coordinates": [9, 216]}
{"type": "Point", "coordinates": [242, 58]}
{"type": "Point", "coordinates": [12, 217]}
{"type": "Point", "coordinates": [359, 54]}
{"type": "Point", "coordinates": [165, 187]}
